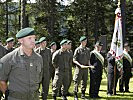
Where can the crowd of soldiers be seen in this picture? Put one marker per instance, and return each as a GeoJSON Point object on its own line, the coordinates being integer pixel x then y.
{"type": "Point", "coordinates": [32, 63]}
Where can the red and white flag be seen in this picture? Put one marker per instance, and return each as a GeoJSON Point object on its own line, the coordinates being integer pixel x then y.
{"type": "Point", "coordinates": [117, 40]}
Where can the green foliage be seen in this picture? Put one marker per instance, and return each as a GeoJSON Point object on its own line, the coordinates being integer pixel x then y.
{"type": "Point", "coordinates": [129, 18]}
{"type": "Point", "coordinates": [2, 22]}
{"type": "Point", "coordinates": [92, 18]}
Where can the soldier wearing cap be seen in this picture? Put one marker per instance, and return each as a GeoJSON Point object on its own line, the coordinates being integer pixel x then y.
{"type": "Point", "coordinates": [53, 48]}
{"type": "Point", "coordinates": [81, 58]}
{"type": "Point", "coordinates": [46, 55]}
{"type": "Point", "coordinates": [60, 63]}
{"type": "Point", "coordinates": [97, 60]}
{"type": "Point", "coordinates": [22, 68]}
{"type": "Point", "coordinates": [127, 65]}
{"type": "Point", "coordinates": [9, 44]}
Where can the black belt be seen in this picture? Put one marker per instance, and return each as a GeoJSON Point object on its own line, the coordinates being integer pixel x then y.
{"type": "Point", "coordinates": [25, 95]}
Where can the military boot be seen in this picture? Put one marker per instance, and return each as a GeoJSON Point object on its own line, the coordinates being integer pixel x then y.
{"type": "Point", "coordinates": [75, 96]}
{"type": "Point", "coordinates": [69, 94]}
{"type": "Point", "coordinates": [54, 97]}
{"type": "Point", "coordinates": [83, 95]}
{"type": "Point", "coordinates": [60, 94]}
{"type": "Point", "coordinates": [64, 98]}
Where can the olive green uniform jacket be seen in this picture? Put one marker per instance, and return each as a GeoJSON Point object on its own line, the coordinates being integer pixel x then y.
{"type": "Point", "coordinates": [24, 74]}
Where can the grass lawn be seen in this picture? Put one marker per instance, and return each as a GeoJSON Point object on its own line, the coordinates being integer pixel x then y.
{"type": "Point", "coordinates": [102, 92]}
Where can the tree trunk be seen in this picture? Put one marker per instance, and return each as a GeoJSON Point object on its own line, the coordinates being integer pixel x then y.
{"type": "Point", "coordinates": [23, 14]}
{"type": "Point", "coordinates": [51, 17]}
{"type": "Point", "coordinates": [96, 23]}
{"type": "Point", "coordinates": [6, 19]}
{"type": "Point", "coordinates": [123, 6]}
{"type": "Point", "coordinates": [19, 15]}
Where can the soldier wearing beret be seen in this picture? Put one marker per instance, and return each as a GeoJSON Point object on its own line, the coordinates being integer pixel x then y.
{"type": "Point", "coordinates": [2, 53]}
{"type": "Point", "coordinates": [22, 68]}
{"type": "Point", "coordinates": [70, 60]}
{"type": "Point", "coordinates": [60, 63]}
{"type": "Point", "coordinates": [37, 45]}
{"type": "Point", "coordinates": [9, 44]}
{"type": "Point", "coordinates": [81, 58]}
{"type": "Point", "coordinates": [127, 65]}
{"type": "Point", "coordinates": [53, 48]}
{"type": "Point", "coordinates": [46, 55]}
{"type": "Point", "coordinates": [97, 60]}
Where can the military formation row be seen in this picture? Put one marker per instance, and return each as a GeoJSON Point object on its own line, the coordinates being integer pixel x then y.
{"type": "Point", "coordinates": [30, 65]}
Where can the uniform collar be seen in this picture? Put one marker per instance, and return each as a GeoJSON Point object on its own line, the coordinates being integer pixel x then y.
{"type": "Point", "coordinates": [42, 48]}
{"type": "Point", "coordinates": [82, 47]}
{"type": "Point", "coordinates": [21, 53]}
{"type": "Point", "coordinates": [61, 50]}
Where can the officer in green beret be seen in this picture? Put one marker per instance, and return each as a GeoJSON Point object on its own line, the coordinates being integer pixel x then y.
{"type": "Point", "coordinates": [61, 78]}
{"type": "Point", "coordinates": [46, 55]}
{"type": "Point", "coordinates": [2, 53]}
{"type": "Point", "coordinates": [81, 58]}
{"type": "Point", "coordinates": [53, 48]}
{"type": "Point", "coordinates": [70, 60]}
{"type": "Point", "coordinates": [37, 44]}
{"type": "Point", "coordinates": [9, 44]}
{"type": "Point", "coordinates": [22, 68]}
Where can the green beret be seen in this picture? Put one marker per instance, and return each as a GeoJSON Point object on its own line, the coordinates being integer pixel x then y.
{"type": "Point", "coordinates": [53, 43]}
{"type": "Point", "coordinates": [63, 42]}
{"type": "Point", "coordinates": [69, 41]}
{"type": "Point", "coordinates": [10, 39]}
{"type": "Point", "coordinates": [42, 39]}
{"type": "Point", "coordinates": [25, 32]}
{"type": "Point", "coordinates": [82, 38]}
{"type": "Point", "coordinates": [37, 42]}
{"type": "Point", "coordinates": [98, 44]}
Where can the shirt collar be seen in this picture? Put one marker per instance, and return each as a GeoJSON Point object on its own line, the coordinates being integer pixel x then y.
{"type": "Point", "coordinates": [21, 53]}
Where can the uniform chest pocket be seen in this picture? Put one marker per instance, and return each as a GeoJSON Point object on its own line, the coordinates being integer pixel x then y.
{"type": "Point", "coordinates": [46, 57]}
{"type": "Point", "coordinates": [82, 54]}
{"type": "Point", "coordinates": [19, 68]}
{"type": "Point", "coordinates": [39, 69]}
{"type": "Point", "coordinates": [38, 72]}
